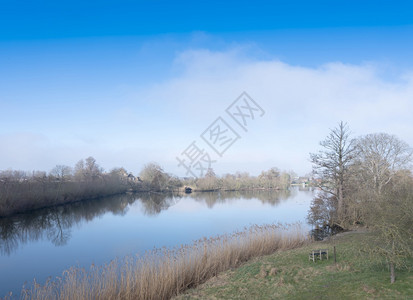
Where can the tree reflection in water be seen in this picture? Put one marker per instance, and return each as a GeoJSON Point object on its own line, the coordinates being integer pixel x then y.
{"type": "Point", "coordinates": [154, 203]}
{"type": "Point", "coordinates": [273, 197]}
{"type": "Point", "coordinates": [55, 224]}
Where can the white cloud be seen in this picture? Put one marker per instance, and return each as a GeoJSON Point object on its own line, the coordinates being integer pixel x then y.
{"type": "Point", "coordinates": [301, 104]}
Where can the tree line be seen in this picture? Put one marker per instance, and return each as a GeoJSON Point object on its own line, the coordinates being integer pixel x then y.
{"type": "Point", "coordinates": [367, 181]}
{"type": "Point", "coordinates": [23, 191]}
{"type": "Point", "coordinates": [267, 180]}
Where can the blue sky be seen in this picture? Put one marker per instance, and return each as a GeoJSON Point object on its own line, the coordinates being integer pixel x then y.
{"type": "Point", "coordinates": [131, 82]}
{"type": "Point", "coordinates": [63, 19]}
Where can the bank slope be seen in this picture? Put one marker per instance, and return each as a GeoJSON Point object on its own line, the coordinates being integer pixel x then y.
{"type": "Point", "coordinates": [290, 275]}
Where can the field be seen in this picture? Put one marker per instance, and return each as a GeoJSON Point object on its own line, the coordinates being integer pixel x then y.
{"type": "Point", "coordinates": [290, 275]}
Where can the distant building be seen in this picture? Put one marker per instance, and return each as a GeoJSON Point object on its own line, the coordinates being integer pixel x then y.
{"type": "Point", "coordinates": [301, 180]}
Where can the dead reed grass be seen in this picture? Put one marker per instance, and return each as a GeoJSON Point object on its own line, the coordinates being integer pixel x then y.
{"type": "Point", "coordinates": [164, 273]}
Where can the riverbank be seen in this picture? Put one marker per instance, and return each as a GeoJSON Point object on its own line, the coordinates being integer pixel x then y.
{"type": "Point", "coordinates": [13, 211]}
{"type": "Point", "coordinates": [25, 196]}
{"type": "Point", "coordinates": [164, 273]}
{"type": "Point", "coordinates": [290, 275]}
{"type": "Point", "coordinates": [194, 189]}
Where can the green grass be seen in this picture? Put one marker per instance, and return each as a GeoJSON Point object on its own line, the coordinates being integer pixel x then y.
{"type": "Point", "coordinates": [290, 275]}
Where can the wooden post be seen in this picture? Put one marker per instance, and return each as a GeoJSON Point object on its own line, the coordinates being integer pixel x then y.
{"type": "Point", "coordinates": [392, 275]}
{"type": "Point", "coordinates": [335, 259]}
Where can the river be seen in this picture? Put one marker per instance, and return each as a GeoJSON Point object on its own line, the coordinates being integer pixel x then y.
{"type": "Point", "coordinates": [44, 243]}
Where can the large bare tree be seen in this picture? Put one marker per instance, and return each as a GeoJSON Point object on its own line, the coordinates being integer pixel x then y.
{"type": "Point", "coordinates": [380, 156]}
{"type": "Point", "coordinates": [61, 172]}
{"type": "Point", "coordinates": [88, 169]}
{"type": "Point", "coordinates": [155, 177]}
{"type": "Point", "coordinates": [331, 165]}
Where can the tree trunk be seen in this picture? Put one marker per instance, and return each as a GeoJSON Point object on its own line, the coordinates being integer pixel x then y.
{"type": "Point", "coordinates": [392, 274]}
{"type": "Point", "coordinates": [340, 212]}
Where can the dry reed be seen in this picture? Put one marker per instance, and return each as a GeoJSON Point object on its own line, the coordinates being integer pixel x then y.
{"type": "Point", "coordinates": [164, 273]}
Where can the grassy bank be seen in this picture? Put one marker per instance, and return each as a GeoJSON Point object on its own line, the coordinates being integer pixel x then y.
{"type": "Point", "coordinates": [290, 275]}
{"type": "Point", "coordinates": [165, 273]}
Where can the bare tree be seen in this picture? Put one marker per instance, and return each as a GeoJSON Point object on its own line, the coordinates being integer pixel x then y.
{"type": "Point", "coordinates": [380, 156]}
{"type": "Point", "coordinates": [269, 179]}
{"type": "Point", "coordinates": [79, 170]}
{"type": "Point", "coordinates": [209, 182]}
{"type": "Point", "coordinates": [154, 176]}
{"type": "Point", "coordinates": [61, 172]}
{"type": "Point", "coordinates": [88, 169]}
{"type": "Point", "coordinates": [332, 164]}
{"type": "Point", "coordinates": [390, 215]}
{"type": "Point", "coordinates": [323, 210]}
{"type": "Point", "coordinates": [92, 169]}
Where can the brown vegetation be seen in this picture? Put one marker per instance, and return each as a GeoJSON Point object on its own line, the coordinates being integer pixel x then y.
{"type": "Point", "coordinates": [272, 179]}
{"type": "Point", "coordinates": [162, 274]}
{"type": "Point", "coordinates": [20, 191]}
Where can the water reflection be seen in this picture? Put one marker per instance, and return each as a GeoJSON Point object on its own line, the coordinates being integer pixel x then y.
{"type": "Point", "coordinates": [265, 196]}
{"type": "Point", "coordinates": [55, 224]}
{"type": "Point", "coordinates": [154, 203]}
{"type": "Point", "coordinates": [319, 234]}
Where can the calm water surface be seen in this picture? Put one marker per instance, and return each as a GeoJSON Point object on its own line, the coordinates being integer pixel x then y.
{"type": "Point", "coordinates": [46, 242]}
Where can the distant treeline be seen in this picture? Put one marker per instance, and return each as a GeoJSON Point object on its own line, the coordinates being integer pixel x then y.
{"type": "Point", "coordinates": [271, 179]}
{"type": "Point", "coordinates": [23, 191]}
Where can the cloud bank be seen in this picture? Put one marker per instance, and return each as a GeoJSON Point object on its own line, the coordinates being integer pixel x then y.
{"type": "Point", "coordinates": [158, 121]}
